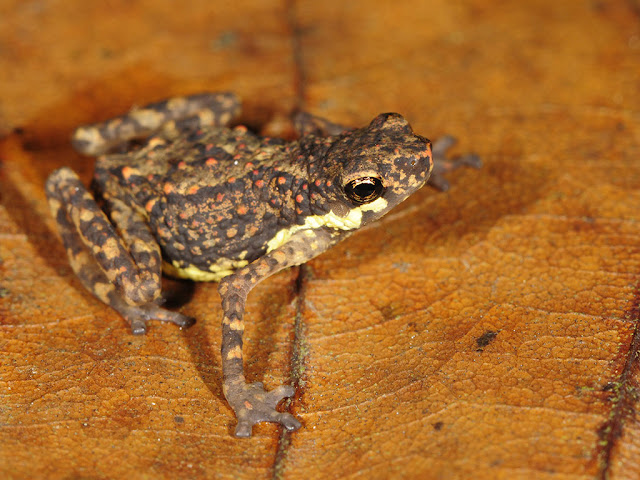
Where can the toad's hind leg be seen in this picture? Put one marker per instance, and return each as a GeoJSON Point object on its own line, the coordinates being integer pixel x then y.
{"type": "Point", "coordinates": [166, 118]}
{"type": "Point", "coordinates": [120, 268]}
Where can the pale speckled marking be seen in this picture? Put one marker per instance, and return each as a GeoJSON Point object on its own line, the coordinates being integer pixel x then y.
{"type": "Point", "coordinates": [352, 221]}
{"type": "Point", "coordinates": [236, 325]}
{"type": "Point", "coordinates": [218, 270]}
{"type": "Point", "coordinates": [102, 290]}
{"type": "Point", "coordinates": [86, 215]}
{"type": "Point", "coordinates": [110, 249]}
{"type": "Point", "coordinates": [236, 352]}
{"type": "Point", "coordinates": [207, 118]}
{"type": "Point", "coordinates": [90, 136]}
{"type": "Point", "coordinates": [177, 103]}
{"type": "Point", "coordinates": [156, 142]}
{"type": "Point", "coordinates": [147, 119]}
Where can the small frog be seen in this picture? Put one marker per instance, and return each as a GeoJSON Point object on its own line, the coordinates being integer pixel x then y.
{"type": "Point", "coordinates": [198, 200]}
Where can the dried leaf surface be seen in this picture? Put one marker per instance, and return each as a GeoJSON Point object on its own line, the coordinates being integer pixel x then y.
{"type": "Point", "coordinates": [486, 332]}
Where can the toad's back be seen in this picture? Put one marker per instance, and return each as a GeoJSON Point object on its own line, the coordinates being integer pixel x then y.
{"type": "Point", "coordinates": [213, 199]}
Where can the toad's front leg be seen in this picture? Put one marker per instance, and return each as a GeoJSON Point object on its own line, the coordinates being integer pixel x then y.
{"type": "Point", "coordinates": [251, 402]}
{"type": "Point", "coordinates": [442, 164]}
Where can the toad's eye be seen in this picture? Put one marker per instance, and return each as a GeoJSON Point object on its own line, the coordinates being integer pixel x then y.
{"type": "Point", "coordinates": [364, 190]}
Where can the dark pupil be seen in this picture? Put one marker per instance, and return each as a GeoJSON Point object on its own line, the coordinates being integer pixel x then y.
{"type": "Point", "coordinates": [364, 190]}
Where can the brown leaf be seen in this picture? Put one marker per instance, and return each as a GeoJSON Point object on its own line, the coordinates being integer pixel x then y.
{"type": "Point", "coordinates": [489, 332]}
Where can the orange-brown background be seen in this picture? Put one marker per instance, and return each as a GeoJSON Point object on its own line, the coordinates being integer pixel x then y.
{"type": "Point", "coordinates": [487, 332]}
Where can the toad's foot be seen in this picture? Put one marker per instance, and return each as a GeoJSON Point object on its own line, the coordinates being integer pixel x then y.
{"type": "Point", "coordinates": [253, 404]}
{"type": "Point", "coordinates": [444, 165]}
{"type": "Point", "coordinates": [139, 315]}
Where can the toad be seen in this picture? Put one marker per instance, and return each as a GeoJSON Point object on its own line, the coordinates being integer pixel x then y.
{"type": "Point", "coordinates": [196, 199]}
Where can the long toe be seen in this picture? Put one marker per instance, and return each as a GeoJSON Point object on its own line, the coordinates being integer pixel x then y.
{"type": "Point", "coordinates": [138, 326]}
{"type": "Point", "coordinates": [277, 394]}
{"type": "Point", "coordinates": [289, 422]}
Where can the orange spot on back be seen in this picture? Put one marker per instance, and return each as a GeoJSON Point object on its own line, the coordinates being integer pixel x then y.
{"type": "Point", "coordinates": [127, 172]}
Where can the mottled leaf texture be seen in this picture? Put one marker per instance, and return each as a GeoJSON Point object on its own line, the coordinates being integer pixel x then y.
{"type": "Point", "coordinates": [489, 332]}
